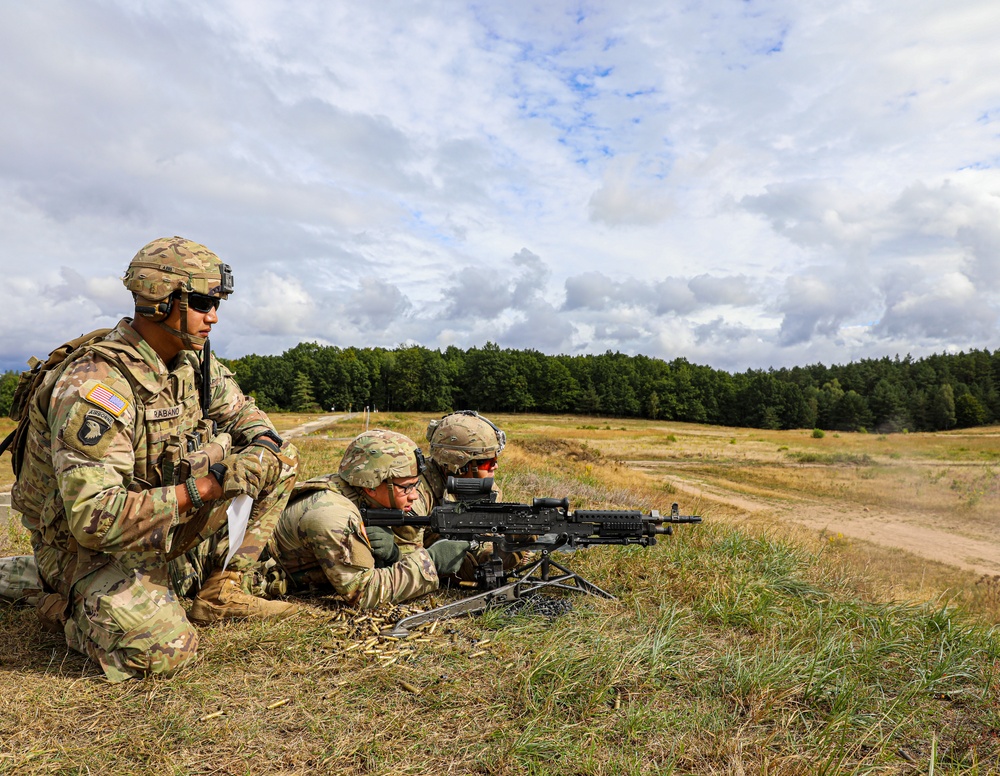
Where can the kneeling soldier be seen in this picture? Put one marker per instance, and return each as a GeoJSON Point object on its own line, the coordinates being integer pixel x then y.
{"type": "Point", "coordinates": [115, 480]}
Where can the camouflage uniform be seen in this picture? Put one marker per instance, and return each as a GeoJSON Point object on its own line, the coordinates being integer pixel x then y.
{"type": "Point", "coordinates": [19, 582]}
{"type": "Point", "coordinates": [103, 521]}
{"type": "Point", "coordinates": [321, 540]}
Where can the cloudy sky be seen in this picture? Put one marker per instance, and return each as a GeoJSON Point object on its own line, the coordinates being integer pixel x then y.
{"type": "Point", "coordinates": [742, 184]}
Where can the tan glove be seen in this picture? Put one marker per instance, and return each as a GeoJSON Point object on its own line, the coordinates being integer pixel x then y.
{"type": "Point", "coordinates": [251, 471]}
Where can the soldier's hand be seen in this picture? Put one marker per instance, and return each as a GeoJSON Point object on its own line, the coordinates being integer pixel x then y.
{"type": "Point", "coordinates": [250, 471]}
{"type": "Point", "coordinates": [219, 447]}
{"type": "Point", "coordinates": [383, 545]}
{"type": "Point", "coordinates": [448, 555]}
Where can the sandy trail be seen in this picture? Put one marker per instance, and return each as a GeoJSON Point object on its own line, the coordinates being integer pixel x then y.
{"type": "Point", "coordinates": [312, 425]}
{"type": "Point", "coordinates": [931, 537]}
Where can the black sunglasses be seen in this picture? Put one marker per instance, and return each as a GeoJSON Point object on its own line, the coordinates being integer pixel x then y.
{"type": "Point", "coordinates": [202, 303]}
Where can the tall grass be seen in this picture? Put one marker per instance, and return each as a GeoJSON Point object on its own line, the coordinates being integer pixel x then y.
{"type": "Point", "coordinates": [729, 649]}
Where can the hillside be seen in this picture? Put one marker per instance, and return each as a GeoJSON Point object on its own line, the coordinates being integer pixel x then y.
{"type": "Point", "coordinates": [775, 637]}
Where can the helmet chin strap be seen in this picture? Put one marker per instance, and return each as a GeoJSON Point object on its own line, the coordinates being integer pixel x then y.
{"type": "Point", "coordinates": [190, 340]}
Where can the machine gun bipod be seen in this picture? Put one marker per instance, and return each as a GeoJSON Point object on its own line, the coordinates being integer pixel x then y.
{"type": "Point", "coordinates": [523, 581]}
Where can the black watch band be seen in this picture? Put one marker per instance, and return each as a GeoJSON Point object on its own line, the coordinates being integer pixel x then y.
{"type": "Point", "coordinates": [219, 471]}
{"type": "Point", "coordinates": [272, 435]}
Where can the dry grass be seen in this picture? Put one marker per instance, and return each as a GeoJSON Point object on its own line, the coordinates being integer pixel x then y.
{"type": "Point", "coordinates": [748, 644]}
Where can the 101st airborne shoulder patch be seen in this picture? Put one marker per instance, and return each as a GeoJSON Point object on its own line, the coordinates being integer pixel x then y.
{"type": "Point", "coordinates": [88, 427]}
{"type": "Point", "coordinates": [96, 423]}
{"type": "Point", "coordinates": [88, 430]}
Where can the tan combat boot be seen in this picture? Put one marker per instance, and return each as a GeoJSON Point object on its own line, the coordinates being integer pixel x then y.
{"type": "Point", "coordinates": [222, 598]}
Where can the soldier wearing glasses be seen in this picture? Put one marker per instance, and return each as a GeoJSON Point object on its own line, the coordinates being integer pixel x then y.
{"type": "Point", "coordinates": [135, 449]}
{"type": "Point", "coordinates": [321, 541]}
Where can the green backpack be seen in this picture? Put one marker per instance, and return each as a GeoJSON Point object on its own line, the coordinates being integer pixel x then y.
{"type": "Point", "coordinates": [29, 386]}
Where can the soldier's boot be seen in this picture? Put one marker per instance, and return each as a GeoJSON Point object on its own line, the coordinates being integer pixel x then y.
{"type": "Point", "coordinates": [222, 598]}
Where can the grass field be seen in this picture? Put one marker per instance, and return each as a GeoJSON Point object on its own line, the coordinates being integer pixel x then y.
{"type": "Point", "coordinates": [820, 620]}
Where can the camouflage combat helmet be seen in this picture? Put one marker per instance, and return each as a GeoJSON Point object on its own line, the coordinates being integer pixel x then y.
{"type": "Point", "coordinates": [375, 456]}
{"type": "Point", "coordinates": [173, 266]}
{"type": "Point", "coordinates": [461, 437]}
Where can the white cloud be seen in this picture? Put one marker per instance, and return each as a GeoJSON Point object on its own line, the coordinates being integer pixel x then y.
{"type": "Point", "coordinates": [624, 198]}
{"type": "Point", "coordinates": [736, 184]}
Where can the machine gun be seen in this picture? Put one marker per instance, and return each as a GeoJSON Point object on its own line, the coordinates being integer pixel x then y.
{"type": "Point", "coordinates": [543, 526]}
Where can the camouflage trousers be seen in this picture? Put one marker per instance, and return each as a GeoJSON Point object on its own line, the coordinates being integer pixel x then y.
{"type": "Point", "coordinates": [130, 623]}
{"type": "Point", "coordinates": [130, 620]}
{"type": "Point", "coordinates": [188, 571]}
{"type": "Point", "coordinates": [19, 581]}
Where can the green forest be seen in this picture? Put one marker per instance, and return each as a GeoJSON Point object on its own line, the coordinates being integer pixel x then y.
{"type": "Point", "coordinates": [882, 395]}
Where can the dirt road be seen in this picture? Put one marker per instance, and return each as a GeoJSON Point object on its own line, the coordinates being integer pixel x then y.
{"type": "Point", "coordinates": [313, 425]}
{"type": "Point", "coordinates": [934, 537]}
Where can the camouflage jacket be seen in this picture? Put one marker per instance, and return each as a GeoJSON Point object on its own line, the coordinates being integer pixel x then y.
{"type": "Point", "coordinates": [91, 487]}
{"type": "Point", "coordinates": [321, 538]}
{"type": "Point", "coordinates": [407, 537]}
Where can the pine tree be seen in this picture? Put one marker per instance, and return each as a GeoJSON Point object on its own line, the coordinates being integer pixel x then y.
{"type": "Point", "coordinates": [302, 394]}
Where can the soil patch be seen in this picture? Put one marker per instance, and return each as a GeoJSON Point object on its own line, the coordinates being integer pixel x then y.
{"type": "Point", "coordinates": [574, 451]}
{"type": "Point", "coordinates": [926, 535]}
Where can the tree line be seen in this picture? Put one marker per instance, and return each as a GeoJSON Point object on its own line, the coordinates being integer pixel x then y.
{"type": "Point", "coordinates": [884, 395]}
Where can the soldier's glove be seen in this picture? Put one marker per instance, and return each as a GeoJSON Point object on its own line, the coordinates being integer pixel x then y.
{"type": "Point", "coordinates": [197, 463]}
{"type": "Point", "coordinates": [448, 555]}
{"type": "Point", "coordinates": [383, 545]}
{"type": "Point", "coordinates": [218, 448]}
{"type": "Point", "coordinates": [273, 444]}
{"type": "Point", "coordinates": [250, 471]}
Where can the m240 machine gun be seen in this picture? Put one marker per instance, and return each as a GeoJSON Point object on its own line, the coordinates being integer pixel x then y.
{"type": "Point", "coordinates": [542, 527]}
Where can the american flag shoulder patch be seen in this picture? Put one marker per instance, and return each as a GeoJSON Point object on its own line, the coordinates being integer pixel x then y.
{"type": "Point", "coordinates": [107, 399]}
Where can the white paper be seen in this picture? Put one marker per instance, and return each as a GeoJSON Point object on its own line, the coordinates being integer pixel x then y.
{"type": "Point", "coordinates": [239, 515]}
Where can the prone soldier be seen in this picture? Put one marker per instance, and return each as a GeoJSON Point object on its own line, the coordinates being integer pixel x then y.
{"type": "Point", "coordinates": [321, 540]}
{"type": "Point", "coordinates": [464, 444]}
{"type": "Point", "coordinates": [123, 469]}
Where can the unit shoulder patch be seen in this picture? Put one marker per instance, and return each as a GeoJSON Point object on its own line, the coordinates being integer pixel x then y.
{"type": "Point", "coordinates": [96, 423]}
{"type": "Point", "coordinates": [90, 430]}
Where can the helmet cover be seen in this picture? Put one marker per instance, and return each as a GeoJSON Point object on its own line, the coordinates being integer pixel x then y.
{"type": "Point", "coordinates": [378, 455]}
{"type": "Point", "coordinates": [171, 264]}
{"type": "Point", "coordinates": [463, 436]}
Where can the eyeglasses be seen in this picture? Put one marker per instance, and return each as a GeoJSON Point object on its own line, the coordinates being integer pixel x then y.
{"type": "Point", "coordinates": [202, 303]}
{"type": "Point", "coordinates": [406, 489]}
{"type": "Point", "coordinates": [486, 466]}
